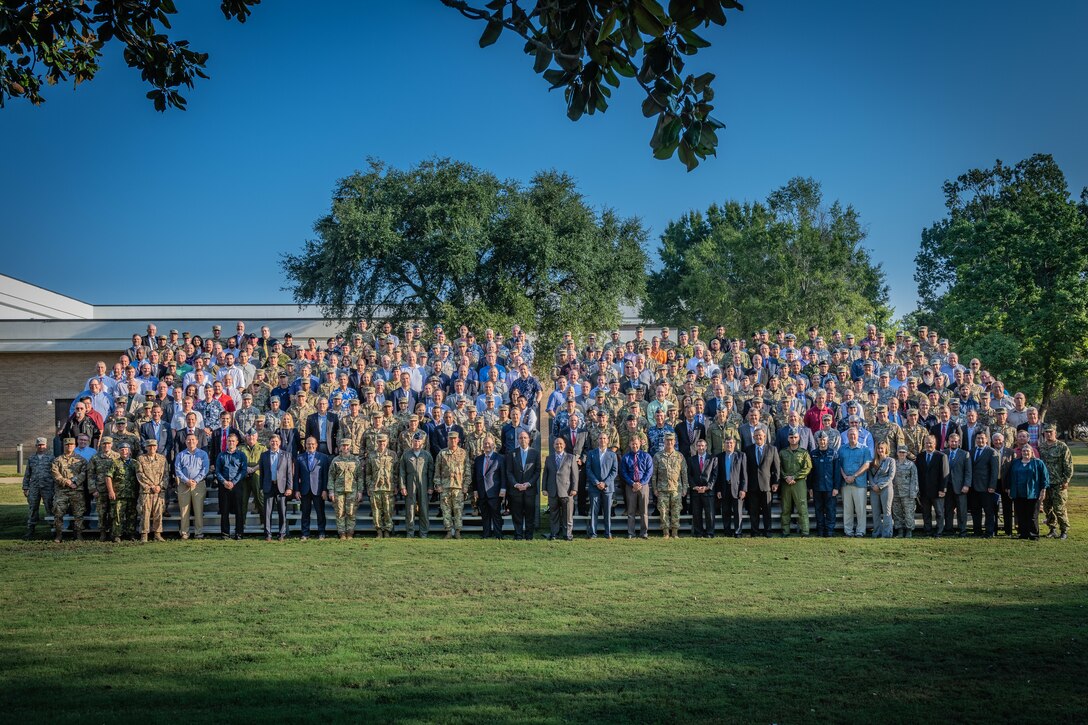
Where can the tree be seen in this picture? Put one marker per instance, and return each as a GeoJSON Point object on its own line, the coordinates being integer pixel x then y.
{"type": "Point", "coordinates": [585, 47]}
{"type": "Point", "coordinates": [786, 262]}
{"type": "Point", "coordinates": [446, 242]}
{"type": "Point", "coordinates": [1005, 274]}
{"type": "Point", "coordinates": [1069, 412]}
{"type": "Point", "coordinates": [53, 40]}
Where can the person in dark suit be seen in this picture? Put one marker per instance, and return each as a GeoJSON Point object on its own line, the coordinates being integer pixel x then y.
{"type": "Point", "coordinates": [219, 440]}
{"type": "Point", "coordinates": [602, 466]}
{"type": "Point", "coordinates": [702, 482]}
{"type": "Point", "coordinates": [561, 486]}
{"type": "Point", "coordinates": [984, 470]}
{"type": "Point", "coordinates": [159, 430]}
{"type": "Point", "coordinates": [944, 428]}
{"type": "Point", "coordinates": [576, 438]}
{"type": "Point", "coordinates": [932, 484]}
{"type": "Point", "coordinates": [764, 470]}
{"type": "Point", "coordinates": [404, 392]}
{"type": "Point", "coordinates": [324, 427]}
{"type": "Point", "coordinates": [489, 488]}
{"type": "Point", "coordinates": [689, 433]}
{"type": "Point", "coordinates": [523, 487]}
{"type": "Point", "coordinates": [732, 487]}
{"type": "Point", "coordinates": [959, 485]}
{"type": "Point", "coordinates": [276, 471]}
{"type": "Point", "coordinates": [191, 429]}
{"type": "Point", "coordinates": [1005, 456]}
{"type": "Point", "coordinates": [748, 428]}
{"type": "Point", "coordinates": [440, 433]}
{"type": "Point", "coordinates": [312, 486]}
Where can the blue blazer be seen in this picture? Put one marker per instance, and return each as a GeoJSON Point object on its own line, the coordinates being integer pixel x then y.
{"type": "Point", "coordinates": [601, 468]}
{"type": "Point", "coordinates": [302, 472]}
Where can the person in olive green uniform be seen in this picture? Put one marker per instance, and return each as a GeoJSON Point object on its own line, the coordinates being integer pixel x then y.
{"type": "Point", "coordinates": [451, 472]}
{"type": "Point", "coordinates": [415, 474]}
{"type": "Point", "coordinates": [151, 477]}
{"type": "Point", "coordinates": [69, 477]}
{"type": "Point", "coordinates": [795, 464]}
{"type": "Point", "coordinates": [670, 483]}
{"type": "Point", "coordinates": [380, 470]}
{"type": "Point", "coordinates": [98, 468]}
{"type": "Point", "coordinates": [346, 488]}
{"type": "Point", "coordinates": [121, 488]}
{"type": "Point", "coordinates": [1059, 464]}
{"type": "Point", "coordinates": [251, 484]}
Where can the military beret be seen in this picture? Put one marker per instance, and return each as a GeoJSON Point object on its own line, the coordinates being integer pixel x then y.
{"type": "Point", "coordinates": [125, 444]}
{"type": "Point", "coordinates": [282, 374]}
{"type": "Point", "coordinates": [69, 441]}
{"type": "Point", "coordinates": [454, 435]}
{"type": "Point", "coordinates": [261, 418]}
{"type": "Point", "coordinates": [217, 328]}
{"type": "Point", "coordinates": [630, 418]}
{"type": "Point", "coordinates": [794, 434]}
{"type": "Point", "coordinates": [825, 362]}
{"type": "Point", "coordinates": [288, 334]}
{"type": "Point", "coordinates": [419, 435]}
{"type": "Point", "coordinates": [791, 336]}
{"type": "Point", "coordinates": [1050, 427]}
{"type": "Point", "coordinates": [107, 439]}
{"type": "Point", "coordinates": [849, 336]}
{"type": "Point", "coordinates": [40, 441]}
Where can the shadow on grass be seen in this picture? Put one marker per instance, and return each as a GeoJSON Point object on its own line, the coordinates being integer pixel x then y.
{"type": "Point", "coordinates": [892, 662]}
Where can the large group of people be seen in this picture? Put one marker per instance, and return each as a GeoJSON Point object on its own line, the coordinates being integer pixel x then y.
{"type": "Point", "coordinates": [716, 428]}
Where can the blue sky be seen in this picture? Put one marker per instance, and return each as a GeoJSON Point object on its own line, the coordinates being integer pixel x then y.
{"type": "Point", "coordinates": [881, 102]}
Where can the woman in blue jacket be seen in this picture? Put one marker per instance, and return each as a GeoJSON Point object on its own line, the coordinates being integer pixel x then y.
{"type": "Point", "coordinates": [1028, 482]}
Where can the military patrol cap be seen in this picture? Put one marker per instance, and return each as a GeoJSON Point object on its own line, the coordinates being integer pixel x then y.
{"type": "Point", "coordinates": [854, 419]}
{"type": "Point", "coordinates": [383, 437]}
{"type": "Point", "coordinates": [149, 404]}
{"type": "Point", "coordinates": [794, 434]}
{"type": "Point", "coordinates": [247, 396]}
{"type": "Point", "coordinates": [842, 369]}
{"type": "Point", "coordinates": [670, 436]}
{"type": "Point", "coordinates": [217, 328]}
{"type": "Point", "coordinates": [119, 419]}
{"type": "Point", "coordinates": [851, 404]}
{"type": "Point", "coordinates": [186, 334]}
{"type": "Point", "coordinates": [173, 332]}
{"type": "Point", "coordinates": [600, 394]}
{"type": "Point", "coordinates": [454, 435]}
{"type": "Point", "coordinates": [849, 336]}
{"type": "Point", "coordinates": [1000, 409]}
{"type": "Point", "coordinates": [954, 401]}
{"type": "Point", "coordinates": [40, 442]}
{"type": "Point", "coordinates": [419, 435]}
{"type": "Point", "coordinates": [1050, 427]}
{"type": "Point", "coordinates": [478, 421]}
{"type": "Point", "coordinates": [882, 409]}
{"type": "Point", "coordinates": [354, 401]}
{"type": "Point", "coordinates": [413, 417]}
{"type": "Point", "coordinates": [288, 334]}
{"type": "Point", "coordinates": [369, 389]}
{"type": "Point", "coordinates": [824, 362]}
{"type": "Point", "coordinates": [151, 442]}
{"type": "Point", "coordinates": [901, 449]}
{"type": "Point", "coordinates": [828, 416]}
{"type": "Point", "coordinates": [822, 435]}
{"type": "Point", "coordinates": [107, 439]}
{"type": "Point", "coordinates": [503, 407]}
{"type": "Point", "coordinates": [69, 441]}
{"type": "Point", "coordinates": [261, 418]}
{"type": "Point", "coordinates": [337, 396]}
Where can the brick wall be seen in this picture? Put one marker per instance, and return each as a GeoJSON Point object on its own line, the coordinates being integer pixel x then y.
{"type": "Point", "coordinates": [27, 382]}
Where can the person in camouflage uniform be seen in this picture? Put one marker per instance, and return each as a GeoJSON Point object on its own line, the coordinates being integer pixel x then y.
{"type": "Point", "coordinates": [69, 478]}
{"type": "Point", "coordinates": [914, 436]}
{"type": "Point", "coordinates": [245, 418]}
{"type": "Point", "coordinates": [346, 483]}
{"type": "Point", "coordinates": [370, 437]}
{"type": "Point", "coordinates": [121, 435]}
{"type": "Point", "coordinates": [380, 474]}
{"type": "Point", "coordinates": [474, 440]}
{"type": "Point", "coordinates": [1001, 425]}
{"type": "Point", "coordinates": [353, 426]}
{"type": "Point", "coordinates": [795, 465]}
{"type": "Point", "coordinates": [121, 487]}
{"type": "Point", "coordinates": [151, 477]}
{"type": "Point", "coordinates": [452, 471]}
{"type": "Point", "coordinates": [1059, 464]}
{"type": "Point", "coordinates": [904, 494]}
{"type": "Point", "coordinates": [98, 468]}
{"type": "Point", "coordinates": [670, 483]}
{"type": "Point", "coordinates": [718, 430]}
{"type": "Point", "coordinates": [38, 485]}
{"type": "Point", "coordinates": [631, 430]}
{"type": "Point", "coordinates": [884, 431]}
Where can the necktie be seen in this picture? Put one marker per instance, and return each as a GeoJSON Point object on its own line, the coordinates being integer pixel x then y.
{"type": "Point", "coordinates": [728, 466]}
{"type": "Point", "coordinates": [310, 458]}
{"type": "Point", "coordinates": [977, 451]}
{"type": "Point", "coordinates": [224, 439]}
{"type": "Point", "coordinates": [944, 433]}
{"type": "Point", "coordinates": [929, 457]}
{"type": "Point", "coordinates": [524, 459]}
{"type": "Point", "coordinates": [634, 466]}
{"type": "Point", "coordinates": [759, 455]}
{"type": "Point", "coordinates": [702, 460]}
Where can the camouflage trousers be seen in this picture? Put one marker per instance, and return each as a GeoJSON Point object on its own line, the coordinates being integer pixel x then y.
{"type": "Point", "coordinates": [903, 513]}
{"type": "Point", "coordinates": [123, 517]}
{"type": "Point", "coordinates": [251, 490]}
{"type": "Point", "coordinates": [36, 495]}
{"type": "Point", "coordinates": [1054, 508]}
{"type": "Point", "coordinates": [453, 506]}
{"type": "Point", "coordinates": [67, 500]}
{"type": "Point", "coordinates": [345, 512]}
{"type": "Point", "coordinates": [668, 508]}
{"type": "Point", "coordinates": [150, 510]}
{"type": "Point", "coordinates": [104, 507]}
{"type": "Point", "coordinates": [381, 508]}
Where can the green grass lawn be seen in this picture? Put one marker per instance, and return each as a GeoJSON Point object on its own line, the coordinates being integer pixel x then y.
{"type": "Point", "coordinates": [491, 632]}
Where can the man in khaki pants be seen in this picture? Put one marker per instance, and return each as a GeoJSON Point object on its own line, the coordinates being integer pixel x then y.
{"type": "Point", "coordinates": [151, 475]}
{"type": "Point", "coordinates": [190, 469]}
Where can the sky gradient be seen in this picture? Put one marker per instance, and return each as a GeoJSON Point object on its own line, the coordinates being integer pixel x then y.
{"type": "Point", "coordinates": [880, 102]}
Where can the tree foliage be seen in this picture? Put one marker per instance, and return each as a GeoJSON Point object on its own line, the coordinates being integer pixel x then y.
{"type": "Point", "coordinates": [53, 40]}
{"type": "Point", "coordinates": [586, 47]}
{"type": "Point", "coordinates": [1069, 411]}
{"type": "Point", "coordinates": [1005, 274]}
{"type": "Point", "coordinates": [786, 262]}
{"type": "Point", "coordinates": [446, 242]}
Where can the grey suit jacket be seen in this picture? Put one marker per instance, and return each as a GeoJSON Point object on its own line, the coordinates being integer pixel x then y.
{"type": "Point", "coordinates": [561, 480]}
